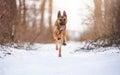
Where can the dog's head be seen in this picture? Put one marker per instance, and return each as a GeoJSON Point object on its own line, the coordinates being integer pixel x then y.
{"type": "Point", "coordinates": [62, 20]}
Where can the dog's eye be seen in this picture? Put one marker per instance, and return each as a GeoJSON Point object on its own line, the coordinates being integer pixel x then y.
{"type": "Point", "coordinates": [60, 19]}
{"type": "Point", "coordinates": [64, 19]}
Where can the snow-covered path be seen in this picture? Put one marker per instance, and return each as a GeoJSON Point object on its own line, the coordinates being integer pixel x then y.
{"type": "Point", "coordinates": [44, 61]}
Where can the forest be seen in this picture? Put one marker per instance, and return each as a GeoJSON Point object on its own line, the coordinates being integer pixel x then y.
{"type": "Point", "coordinates": [59, 37]}
{"type": "Point", "coordinates": [20, 22]}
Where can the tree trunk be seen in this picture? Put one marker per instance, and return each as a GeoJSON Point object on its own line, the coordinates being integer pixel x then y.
{"type": "Point", "coordinates": [112, 20]}
{"type": "Point", "coordinates": [8, 11]}
{"type": "Point", "coordinates": [50, 14]}
{"type": "Point", "coordinates": [21, 27]}
{"type": "Point", "coordinates": [98, 17]}
{"type": "Point", "coordinates": [42, 10]}
{"type": "Point", "coordinates": [50, 19]}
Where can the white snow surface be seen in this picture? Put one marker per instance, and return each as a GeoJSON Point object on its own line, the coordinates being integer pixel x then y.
{"type": "Point", "coordinates": [43, 60]}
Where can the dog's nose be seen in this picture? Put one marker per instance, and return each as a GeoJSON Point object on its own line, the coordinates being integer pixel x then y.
{"type": "Point", "coordinates": [62, 23]}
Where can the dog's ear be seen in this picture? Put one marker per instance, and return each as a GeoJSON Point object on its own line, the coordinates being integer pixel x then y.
{"type": "Point", "coordinates": [59, 14]}
{"type": "Point", "coordinates": [64, 14]}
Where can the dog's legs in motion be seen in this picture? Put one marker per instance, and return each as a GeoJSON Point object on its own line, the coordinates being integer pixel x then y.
{"type": "Point", "coordinates": [56, 44]}
{"type": "Point", "coordinates": [64, 40]}
{"type": "Point", "coordinates": [60, 46]}
{"type": "Point", "coordinates": [60, 41]}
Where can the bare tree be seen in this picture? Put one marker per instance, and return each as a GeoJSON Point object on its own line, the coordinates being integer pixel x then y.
{"type": "Point", "coordinates": [21, 27]}
{"type": "Point", "coordinates": [50, 19]}
{"type": "Point", "coordinates": [98, 17]}
{"type": "Point", "coordinates": [42, 10]}
{"type": "Point", "coordinates": [8, 10]}
{"type": "Point", "coordinates": [50, 14]}
{"type": "Point", "coordinates": [109, 29]}
{"type": "Point", "coordinates": [22, 11]}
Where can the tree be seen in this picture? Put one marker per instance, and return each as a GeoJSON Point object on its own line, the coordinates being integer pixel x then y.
{"type": "Point", "coordinates": [50, 19]}
{"type": "Point", "coordinates": [8, 11]}
{"type": "Point", "coordinates": [22, 12]}
{"type": "Point", "coordinates": [42, 11]}
{"type": "Point", "coordinates": [98, 17]}
{"type": "Point", "coordinates": [108, 22]}
{"type": "Point", "coordinates": [21, 27]}
{"type": "Point", "coordinates": [50, 14]}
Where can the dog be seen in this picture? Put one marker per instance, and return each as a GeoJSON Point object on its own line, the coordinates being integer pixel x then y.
{"type": "Point", "coordinates": [59, 32]}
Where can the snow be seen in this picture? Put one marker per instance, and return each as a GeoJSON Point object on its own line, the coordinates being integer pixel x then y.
{"type": "Point", "coordinates": [43, 60]}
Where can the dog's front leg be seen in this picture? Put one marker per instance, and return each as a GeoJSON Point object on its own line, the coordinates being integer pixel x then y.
{"type": "Point", "coordinates": [60, 46]}
{"type": "Point", "coordinates": [64, 39]}
{"type": "Point", "coordinates": [56, 42]}
{"type": "Point", "coordinates": [55, 35]}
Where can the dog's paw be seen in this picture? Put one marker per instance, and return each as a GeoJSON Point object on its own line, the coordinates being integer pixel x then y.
{"type": "Point", "coordinates": [64, 44]}
{"type": "Point", "coordinates": [56, 48]}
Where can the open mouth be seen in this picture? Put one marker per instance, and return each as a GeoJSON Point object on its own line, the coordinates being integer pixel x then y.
{"type": "Point", "coordinates": [62, 27]}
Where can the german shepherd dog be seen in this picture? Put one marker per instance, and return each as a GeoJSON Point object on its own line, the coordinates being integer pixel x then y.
{"type": "Point", "coordinates": [59, 32]}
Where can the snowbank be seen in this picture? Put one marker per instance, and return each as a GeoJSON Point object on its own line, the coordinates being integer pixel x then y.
{"type": "Point", "coordinates": [43, 60]}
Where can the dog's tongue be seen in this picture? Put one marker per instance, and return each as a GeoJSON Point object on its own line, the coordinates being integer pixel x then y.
{"type": "Point", "coordinates": [62, 27]}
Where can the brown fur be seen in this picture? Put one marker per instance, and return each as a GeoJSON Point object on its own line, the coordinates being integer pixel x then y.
{"type": "Point", "coordinates": [59, 32]}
